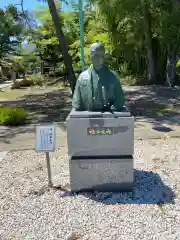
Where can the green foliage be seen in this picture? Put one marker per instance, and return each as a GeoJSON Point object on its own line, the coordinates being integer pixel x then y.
{"type": "Point", "coordinates": [44, 38]}
{"type": "Point", "coordinates": [127, 29]}
{"type": "Point", "coordinates": [12, 116]}
{"type": "Point", "coordinates": [60, 69]}
{"type": "Point", "coordinates": [11, 30]}
{"type": "Point", "coordinates": [178, 70]}
{"type": "Point", "coordinates": [128, 81]}
{"type": "Point", "coordinates": [34, 80]}
{"type": "Point", "coordinates": [47, 45]}
{"type": "Point", "coordinates": [178, 64]}
{"type": "Point", "coordinates": [121, 25]}
{"type": "Point", "coordinates": [18, 65]}
{"type": "Point", "coordinates": [24, 63]}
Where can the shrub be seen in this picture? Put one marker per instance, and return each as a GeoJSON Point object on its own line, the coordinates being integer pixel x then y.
{"type": "Point", "coordinates": [29, 81]}
{"type": "Point", "coordinates": [128, 80]}
{"type": "Point", "coordinates": [12, 116]}
{"type": "Point", "coordinates": [178, 64]}
{"type": "Point", "coordinates": [35, 80]}
{"type": "Point", "coordinates": [178, 70]}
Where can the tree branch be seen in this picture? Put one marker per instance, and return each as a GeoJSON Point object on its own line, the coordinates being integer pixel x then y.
{"type": "Point", "coordinates": [24, 13]}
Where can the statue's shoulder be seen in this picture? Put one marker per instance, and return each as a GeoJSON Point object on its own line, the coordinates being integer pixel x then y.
{"type": "Point", "coordinates": [84, 77]}
{"type": "Point", "coordinates": [112, 74]}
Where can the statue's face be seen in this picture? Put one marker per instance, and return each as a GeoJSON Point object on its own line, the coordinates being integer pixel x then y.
{"type": "Point", "coordinates": [98, 58]}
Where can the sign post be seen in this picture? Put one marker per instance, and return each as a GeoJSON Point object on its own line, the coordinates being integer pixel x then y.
{"type": "Point", "coordinates": [49, 169]}
{"type": "Point", "coordinates": [46, 142]}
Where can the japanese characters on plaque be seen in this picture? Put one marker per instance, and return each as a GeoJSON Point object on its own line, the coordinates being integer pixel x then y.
{"type": "Point", "coordinates": [96, 131]}
{"type": "Point", "coordinates": [45, 138]}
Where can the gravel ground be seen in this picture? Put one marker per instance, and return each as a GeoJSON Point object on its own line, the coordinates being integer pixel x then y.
{"type": "Point", "coordinates": [29, 210]}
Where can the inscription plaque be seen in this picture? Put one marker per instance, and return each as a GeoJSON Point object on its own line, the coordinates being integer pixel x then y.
{"type": "Point", "coordinates": [94, 131]}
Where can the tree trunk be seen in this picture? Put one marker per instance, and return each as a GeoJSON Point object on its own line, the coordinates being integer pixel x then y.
{"type": "Point", "coordinates": [148, 39]}
{"type": "Point", "coordinates": [13, 77]}
{"type": "Point", "coordinates": [171, 65]}
{"type": "Point", "coordinates": [42, 68]}
{"type": "Point", "coordinates": [162, 63]}
{"type": "Point", "coordinates": [171, 56]}
{"type": "Point", "coordinates": [63, 43]}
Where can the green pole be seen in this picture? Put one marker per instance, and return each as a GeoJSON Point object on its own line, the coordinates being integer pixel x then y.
{"type": "Point", "coordinates": [81, 22]}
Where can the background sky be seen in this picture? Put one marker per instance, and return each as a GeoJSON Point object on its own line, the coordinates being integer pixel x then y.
{"type": "Point", "coordinates": [30, 4]}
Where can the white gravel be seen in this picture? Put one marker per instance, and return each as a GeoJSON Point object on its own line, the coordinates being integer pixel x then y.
{"type": "Point", "coordinates": [29, 210]}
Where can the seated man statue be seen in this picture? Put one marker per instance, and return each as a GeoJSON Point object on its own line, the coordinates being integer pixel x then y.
{"type": "Point", "coordinates": [98, 88]}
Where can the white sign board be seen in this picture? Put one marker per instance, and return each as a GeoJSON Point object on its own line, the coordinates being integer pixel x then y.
{"type": "Point", "coordinates": [45, 138]}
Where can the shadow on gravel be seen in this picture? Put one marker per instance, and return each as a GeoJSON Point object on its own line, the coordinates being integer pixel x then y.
{"type": "Point", "coordinates": [154, 104]}
{"type": "Point", "coordinates": [148, 189]}
{"type": "Point", "coordinates": [161, 128]}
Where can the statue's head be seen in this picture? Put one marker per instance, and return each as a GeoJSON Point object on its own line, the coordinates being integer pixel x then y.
{"type": "Point", "coordinates": [97, 55]}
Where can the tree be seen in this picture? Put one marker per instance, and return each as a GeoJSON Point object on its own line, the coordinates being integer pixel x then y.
{"type": "Point", "coordinates": [148, 41]}
{"type": "Point", "coordinates": [125, 24]}
{"type": "Point", "coordinates": [171, 38]}
{"type": "Point", "coordinates": [144, 34]}
{"type": "Point", "coordinates": [44, 38]}
{"type": "Point", "coordinates": [142, 37]}
{"type": "Point", "coordinates": [11, 29]}
{"type": "Point", "coordinates": [62, 42]}
{"type": "Point", "coordinates": [47, 45]}
{"type": "Point", "coordinates": [94, 29]}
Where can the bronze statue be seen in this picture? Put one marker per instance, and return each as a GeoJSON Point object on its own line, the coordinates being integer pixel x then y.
{"type": "Point", "coordinates": [98, 88]}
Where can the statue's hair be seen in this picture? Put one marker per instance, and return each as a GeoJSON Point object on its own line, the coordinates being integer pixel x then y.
{"type": "Point", "coordinates": [96, 46]}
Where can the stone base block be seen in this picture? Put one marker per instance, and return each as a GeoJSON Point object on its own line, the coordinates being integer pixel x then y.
{"type": "Point", "coordinates": [97, 134]}
{"type": "Point", "coordinates": [101, 174]}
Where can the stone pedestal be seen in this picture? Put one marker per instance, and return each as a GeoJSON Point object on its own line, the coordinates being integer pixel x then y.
{"type": "Point", "coordinates": [100, 149]}
{"type": "Point", "coordinates": [102, 174]}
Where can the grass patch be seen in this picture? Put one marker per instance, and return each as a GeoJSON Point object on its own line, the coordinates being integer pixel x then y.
{"type": "Point", "coordinates": [159, 111]}
{"type": "Point", "coordinates": [10, 116]}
